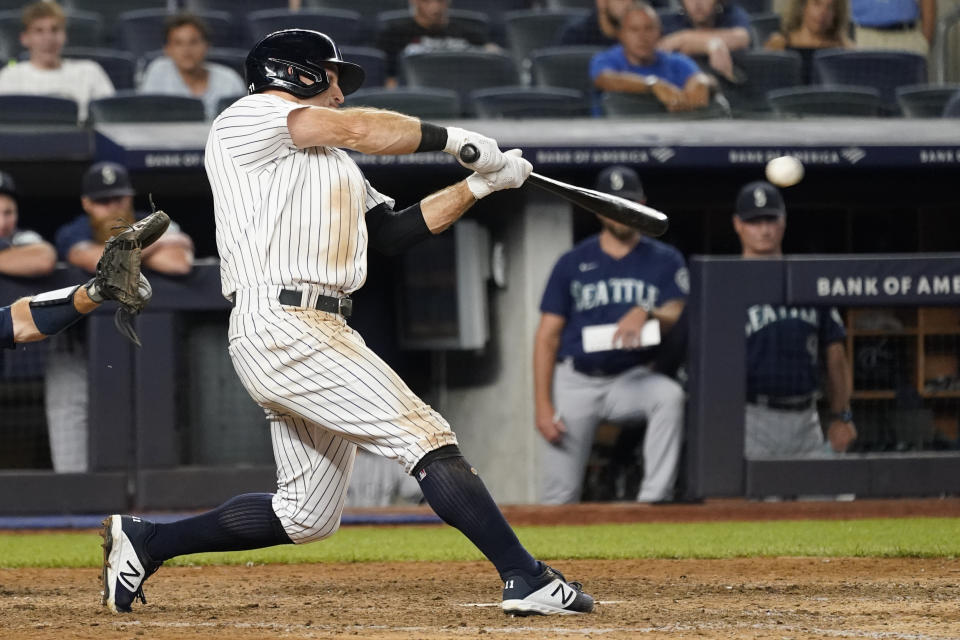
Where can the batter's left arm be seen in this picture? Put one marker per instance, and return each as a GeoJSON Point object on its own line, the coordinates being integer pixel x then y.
{"type": "Point", "coordinates": [841, 433]}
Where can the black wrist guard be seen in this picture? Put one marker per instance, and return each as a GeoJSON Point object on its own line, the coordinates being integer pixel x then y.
{"type": "Point", "coordinates": [432, 137]}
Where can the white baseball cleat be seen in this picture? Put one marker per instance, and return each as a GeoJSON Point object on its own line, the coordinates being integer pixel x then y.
{"type": "Point", "coordinates": [126, 565]}
{"type": "Point", "coordinates": [547, 594]}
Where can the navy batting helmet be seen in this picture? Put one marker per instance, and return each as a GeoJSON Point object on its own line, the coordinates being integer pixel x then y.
{"type": "Point", "coordinates": [278, 61]}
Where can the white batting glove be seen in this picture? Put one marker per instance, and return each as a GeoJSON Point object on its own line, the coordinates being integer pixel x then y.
{"type": "Point", "coordinates": [513, 174]}
{"type": "Point", "coordinates": [491, 158]}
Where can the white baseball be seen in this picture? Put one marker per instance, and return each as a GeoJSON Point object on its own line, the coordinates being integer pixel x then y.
{"type": "Point", "coordinates": [784, 171]}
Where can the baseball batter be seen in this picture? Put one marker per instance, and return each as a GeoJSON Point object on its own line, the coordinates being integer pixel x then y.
{"type": "Point", "coordinates": [783, 350]}
{"type": "Point", "coordinates": [294, 219]}
{"type": "Point", "coordinates": [616, 278]}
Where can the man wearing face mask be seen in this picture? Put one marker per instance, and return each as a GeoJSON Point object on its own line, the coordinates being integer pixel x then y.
{"type": "Point", "coordinates": [708, 29]}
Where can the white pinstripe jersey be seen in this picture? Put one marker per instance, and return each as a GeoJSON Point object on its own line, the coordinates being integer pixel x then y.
{"type": "Point", "coordinates": [285, 216]}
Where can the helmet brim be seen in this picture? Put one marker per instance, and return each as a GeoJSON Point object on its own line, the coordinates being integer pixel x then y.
{"type": "Point", "coordinates": [351, 77]}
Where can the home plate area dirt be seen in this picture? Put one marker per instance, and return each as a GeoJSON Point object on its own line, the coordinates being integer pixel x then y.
{"type": "Point", "coordinates": [745, 598]}
{"type": "Point", "coordinates": [907, 599]}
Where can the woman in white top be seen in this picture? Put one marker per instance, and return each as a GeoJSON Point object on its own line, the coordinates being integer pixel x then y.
{"type": "Point", "coordinates": [184, 71]}
{"type": "Point", "coordinates": [46, 72]}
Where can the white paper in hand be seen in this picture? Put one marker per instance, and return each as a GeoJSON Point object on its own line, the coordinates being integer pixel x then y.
{"type": "Point", "coordinates": [599, 337]}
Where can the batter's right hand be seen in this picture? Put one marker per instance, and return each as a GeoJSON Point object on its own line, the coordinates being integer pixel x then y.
{"type": "Point", "coordinates": [512, 175]}
{"type": "Point", "coordinates": [491, 158]}
{"type": "Point", "coordinates": [550, 425]}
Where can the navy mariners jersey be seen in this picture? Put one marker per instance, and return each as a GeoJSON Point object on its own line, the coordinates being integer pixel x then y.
{"type": "Point", "coordinates": [589, 287]}
{"type": "Point", "coordinates": [783, 346]}
{"type": "Point", "coordinates": [6, 328]}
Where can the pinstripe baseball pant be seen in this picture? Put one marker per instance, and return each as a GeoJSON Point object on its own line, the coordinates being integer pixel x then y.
{"type": "Point", "coordinates": [325, 393]}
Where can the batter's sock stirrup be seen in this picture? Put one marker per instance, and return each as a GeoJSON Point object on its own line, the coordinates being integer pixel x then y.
{"type": "Point", "coordinates": [243, 522]}
{"type": "Point", "coordinates": [126, 563]}
{"type": "Point", "coordinates": [546, 594]}
{"type": "Point", "coordinates": [455, 492]}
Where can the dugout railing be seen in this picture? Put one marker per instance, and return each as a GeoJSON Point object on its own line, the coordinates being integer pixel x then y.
{"type": "Point", "coordinates": [721, 290]}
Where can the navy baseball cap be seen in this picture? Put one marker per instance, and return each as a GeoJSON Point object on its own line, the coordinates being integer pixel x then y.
{"type": "Point", "coordinates": [759, 199]}
{"type": "Point", "coordinates": [107, 180]}
{"type": "Point", "coordinates": [7, 185]}
{"type": "Point", "coordinates": [621, 181]}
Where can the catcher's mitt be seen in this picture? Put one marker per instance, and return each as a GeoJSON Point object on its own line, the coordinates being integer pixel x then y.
{"type": "Point", "coordinates": [118, 271]}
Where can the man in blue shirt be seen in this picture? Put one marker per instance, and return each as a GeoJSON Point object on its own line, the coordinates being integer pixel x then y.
{"type": "Point", "coordinates": [611, 282]}
{"type": "Point", "coordinates": [902, 25]}
{"type": "Point", "coordinates": [710, 29]}
{"type": "Point", "coordinates": [637, 66]}
{"type": "Point", "coordinates": [783, 349]}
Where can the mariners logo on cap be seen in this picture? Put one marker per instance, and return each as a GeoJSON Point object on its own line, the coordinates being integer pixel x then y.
{"type": "Point", "coordinates": [108, 175]}
{"type": "Point", "coordinates": [616, 181]}
{"type": "Point", "coordinates": [759, 198]}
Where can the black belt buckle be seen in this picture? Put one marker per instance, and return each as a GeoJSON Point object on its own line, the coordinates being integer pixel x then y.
{"type": "Point", "coordinates": [330, 304]}
{"type": "Point", "coordinates": [346, 307]}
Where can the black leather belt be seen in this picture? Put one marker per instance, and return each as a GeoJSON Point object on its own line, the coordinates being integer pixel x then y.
{"type": "Point", "coordinates": [895, 26]}
{"type": "Point", "coordinates": [294, 298]}
{"type": "Point", "coordinates": [783, 403]}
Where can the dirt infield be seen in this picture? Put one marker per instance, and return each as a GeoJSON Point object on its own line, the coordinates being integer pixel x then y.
{"type": "Point", "coordinates": [740, 598]}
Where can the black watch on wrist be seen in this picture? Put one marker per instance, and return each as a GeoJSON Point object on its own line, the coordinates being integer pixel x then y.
{"type": "Point", "coordinates": [843, 416]}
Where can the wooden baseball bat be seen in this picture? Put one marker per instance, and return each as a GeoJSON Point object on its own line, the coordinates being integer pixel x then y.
{"type": "Point", "coordinates": [633, 214]}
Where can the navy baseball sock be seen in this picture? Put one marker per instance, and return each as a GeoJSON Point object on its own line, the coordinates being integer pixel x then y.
{"type": "Point", "coordinates": [458, 495]}
{"type": "Point", "coordinates": [243, 522]}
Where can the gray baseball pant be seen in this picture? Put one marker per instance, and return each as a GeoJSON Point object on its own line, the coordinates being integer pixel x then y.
{"type": "Point", "coordinates": [778, 432]}
{"type": "Point", "coordinates": [583, 402]}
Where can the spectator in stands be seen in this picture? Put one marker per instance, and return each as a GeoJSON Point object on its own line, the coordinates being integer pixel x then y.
{"type": "Point", "coordinates": [621, 278]}
{"type": "Point", "coordinates": [902, 25]}
{"type": "Point", "coordinates": [810, 25]}
{"type": "Point", "coordinates": [427, 29]}
{"type": "Point", "coordinates": [46, 72]}
{"type": "Point", "coordinates": [710, 29]}
{"type": "Point", "coordinates": [183, 69]}
{"type": "Point", "coordinates": [22, 252]}
{"type": "Point", "coordinates": [783, 350]}
{"type": "Point", "coordinates": [597, 28]}
{"type": "Point", "coordinates": [108, 203]}
{"type": "Point", "coordinates": [637, 66]}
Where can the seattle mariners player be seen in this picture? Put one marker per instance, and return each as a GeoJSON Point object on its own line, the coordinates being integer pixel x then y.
{"type": "Point", "coordinates": [294, 218]}
{"type": "Point", "coordinates": [616, 277]}
{"type": "Point", "coordinates": [783, 347]}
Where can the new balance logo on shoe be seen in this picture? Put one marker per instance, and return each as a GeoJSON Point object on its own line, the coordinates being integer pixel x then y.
{"type": "Point", "coordinates": [564, 596]}
{"type": "Point", "coordinates": [125, 577]}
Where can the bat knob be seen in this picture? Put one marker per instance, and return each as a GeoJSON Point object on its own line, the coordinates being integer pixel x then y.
{"type": "Point", "coordinates": [469, 153]}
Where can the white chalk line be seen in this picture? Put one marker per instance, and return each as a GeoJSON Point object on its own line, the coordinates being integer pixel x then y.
{"type": "Point", "coordinates": [471, 631]}
{"type": "Point", "coordinates": [497, 604]}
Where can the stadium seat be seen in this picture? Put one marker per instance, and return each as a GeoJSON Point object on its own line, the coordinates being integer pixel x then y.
{"type": "Point", "coordinates": [882, 70]}
{"type": "Point", "coordinates": [952, 108]}
{"type": "Point", "coordinates": [238, 9]}
{"type": "Point", "coordinates": [925, 100]}
{"type": "Point", "coordinates": [225, 102]}
{"type": "Point", "coordinates": [478, 21]}
{"type": "Point", "coordinates": [461, 71]}
{"type": "Point", "coordinates": [763, 70]}
{"type": "Point", "coordinates": [567, 67]}
{"type": "Point", "coordinates": [373, 61]}
{"type": "Point", "coordinates": [229, 57]}
{"type": "Point", "coordinates": [110, 10]}
{"type": "Point", "coordinates": [368, 10]}
{"type": "Point", "coordinates": [618, 104]}
{"type": "Point", "coordinates": [762, 26]}
{"type": "Point", "coordinates": [345, 27]}
{"type": "Point", "coordinates": [120, 66]}
{"type": "Point", "coordinates": [527, 102]}
{"type": "Point", "coordinates": [589, 5]}
{"type": "Point", "coordinates": [142, 31]}
{"type": "Point", "coordinates": [421, 102]}
{"type": "Point", "coordinates": [496, 11]}
{"type": "Point", "coordinates": [530, 30]}
{"type": "Point", "coordinates": [23, 109]}
{"type": "Point", "coordinates": [755, 6]}
{"type": "Point", "coordinates": [146, 107]}
{"type": "Point", "coordinates": [825, 101]}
